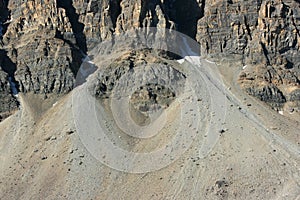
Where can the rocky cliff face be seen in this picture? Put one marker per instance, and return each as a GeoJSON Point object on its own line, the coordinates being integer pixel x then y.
{"type": "Point", "coordinates": [7, 103]}
{"type": "Point", "coordinates": [46, 40]}
{"type": "Point", "coordinates": [264, 35]}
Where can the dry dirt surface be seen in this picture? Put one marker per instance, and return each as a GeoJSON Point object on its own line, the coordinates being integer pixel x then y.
{"type": "Point", "coordinates": [252, 152]}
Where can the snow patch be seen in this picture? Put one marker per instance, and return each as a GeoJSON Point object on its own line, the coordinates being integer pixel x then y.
{"type": "Point", "coordinates": [180, 61]}
{"type": "Point", "coordinates": [210, 61]}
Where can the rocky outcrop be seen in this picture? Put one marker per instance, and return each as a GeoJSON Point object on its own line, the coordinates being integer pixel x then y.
{"type": "Point", "coordinates": [262, 34]}
{"type": "Point", "coordinates": [275, 85]}
{"type": "Point", "coordinates": [39, 55]}
{"type": "Point", "coordinates": [47, 57]}
{"type": "Point", "coordinates": [8, 103]}
{"type": "Point", "coordinates": [130, 63]}
{"type": "Point", "coordinates": [261, 31]}
{"type": "Point", "coordinates": [50, 70]}
{"type": "Point", "coordinates": [150, 83]}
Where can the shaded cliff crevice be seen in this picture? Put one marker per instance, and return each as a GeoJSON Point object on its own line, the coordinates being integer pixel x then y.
{"type": "Point", "coordinates": [265, 51]}
{"type": "Point", "coordinates": [183, 14]}
{"type": "Point", "coordinates": [187, 14]}
{"type": "Point", "coordinates": [115, 10]}
{"type": "Point", "coordinates": [9, 67]}
{"type": "Point", "coordinates": [148, 10]}
{"type": "Point", "coordinates": [76, 53]}
{"type": "Point", "coordinates": [77, 27]}
{"type": "Point", "coordinates": [5, 15]}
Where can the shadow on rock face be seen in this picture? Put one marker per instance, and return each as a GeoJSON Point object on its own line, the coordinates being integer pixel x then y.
{"type": "Point", "coordinates": [4, 16]}
{"type": "Point", "coordinates": [77, 27]}
{"type": "Point", "coordinates": [185, 14]}
{"type": "Point", "coordinates": [9, 67]}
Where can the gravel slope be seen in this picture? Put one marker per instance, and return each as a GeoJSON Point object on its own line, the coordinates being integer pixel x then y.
{"type": "Point", "coordinates": [256, 157]}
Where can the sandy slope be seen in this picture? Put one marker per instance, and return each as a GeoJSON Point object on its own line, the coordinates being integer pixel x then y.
{"type": "Point", "coordinates": [257, 157]}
